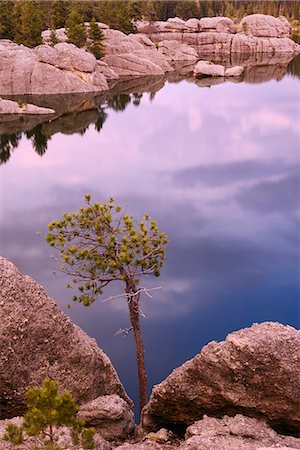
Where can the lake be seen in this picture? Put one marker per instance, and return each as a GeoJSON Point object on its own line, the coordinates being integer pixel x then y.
{"type": "Point", "coordinates": [217, 167]}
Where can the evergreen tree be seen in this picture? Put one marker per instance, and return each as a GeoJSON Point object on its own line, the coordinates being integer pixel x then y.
{"type": "Point", "coordinates": [76, 31]}
{"type": "Point", "coordinates": [28, 23]}
{"type": "Point", "coordinates": [60, 9]}
{"type": "Point", "coordinates": [38, 138]}
{"type": "Point", "coordinates": [97, 36]}
{"type": "Point", "coordinates": [48, 411]}
{"type": "Point", "coordinates": [53, 37]}
{"type": "Point", "coordinates": [99, 245]}
{"type": "Point", "coordinates": [6, 19]}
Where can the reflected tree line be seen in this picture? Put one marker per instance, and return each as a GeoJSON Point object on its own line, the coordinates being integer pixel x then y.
{"type": "Point", "coordinates": [9, 142]}
{"type": "Point", "coordinates": [294, 67]}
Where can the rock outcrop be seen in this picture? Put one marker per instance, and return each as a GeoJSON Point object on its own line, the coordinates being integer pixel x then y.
{"type": "Point", "coordinates": [257, 33]}
{"type": "Point", "coordinates": [38, 340]}
{"type": "Point", "coordinates": [262, 25]}
{"type": "Point", "coordinates": [219, 24]}
{"type": "Point", "coordinates": [208, 69]}
{"type": "Point", "coordinates": [153, 51]}
{"type": "Point", "coordinates": [12, 107]}
{"type": "Point", "coordinates": [48, 70]}
{"type": "Point", "coordinates": [234, 433]}
{"type": "Point", "coordinates": [178, 52]}
{"type": "Point", "coordinates": [110, 415]}
{"type": "Point", "coordinates": [255, 372]}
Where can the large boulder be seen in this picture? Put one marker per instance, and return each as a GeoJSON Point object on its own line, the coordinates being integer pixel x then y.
{"type": "Point", "coordinates": [208, 69]}
{"type": "Point", "coordinates": [235, 71]}
{"type": "Point", "coordinates": [11, 107]}
{"type": "Point", "coordinates": [220, 24]}
{"type": "Point", "coordinates": [213, 43]}
{"type": "Point", "coordinates": [174, 24]}
{"type": "Point", "coordinates": [142, 39]}
{"type": "Point", "coordinates": [192, 25]}
{"type": "Point", "coordinates": [262, 25]}
{"type": "Point", "coordinates": [178, 52]}
{"type": "Point", "coordinates": [241, 43]}
{"type": "Point", "coordinates": [110, 415]}
{"type": "Point", "coordinates": [128, 64]}
{"type": "Point", "coordinates": [67, 57]}
{"type": "Point", "coordinates": [46, 70]}
{"type": "Point", "coordinates": [233, 433]}
{"type": "Point", "coordinates": [255, 371]}
{"type": "Point", "coordinates": [38, 340]}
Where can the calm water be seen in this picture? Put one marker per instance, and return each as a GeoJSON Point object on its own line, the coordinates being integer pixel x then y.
{"type": "Point", "coordinates": [218, 168]}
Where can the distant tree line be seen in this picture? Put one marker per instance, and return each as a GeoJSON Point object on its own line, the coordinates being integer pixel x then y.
{"type": "Point", "coordinates": [23, 20]}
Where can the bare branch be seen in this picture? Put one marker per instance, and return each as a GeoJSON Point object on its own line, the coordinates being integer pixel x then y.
{"type": "Point", "coordinates": [141, 290]}
{"type": "Point", "coordinates": [123, 331]}
{"type": "Point", "coordinates": [142, 313]}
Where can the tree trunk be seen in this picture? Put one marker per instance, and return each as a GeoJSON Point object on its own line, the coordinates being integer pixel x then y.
{"type": "Point", "coordinates": [133, 304]}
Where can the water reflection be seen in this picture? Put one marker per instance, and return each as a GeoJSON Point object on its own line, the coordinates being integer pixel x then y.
{"type": "Point", "coordinates": [77, 122]}
{"type": "Point", "coordinates": [75, 113]}
{"type": "Point", "coordinates": [218, 168]}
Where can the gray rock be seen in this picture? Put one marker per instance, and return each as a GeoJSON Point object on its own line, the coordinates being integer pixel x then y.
{"type": "Point", "coordinates": [235, 71]}
{"type": "Point", "coordinates": [60, 34]}
{"type": "Point", "coordinates": [220, 24]}
{"type": "Point", "coordinates": [177, 52]}
{"type": "Point", "coordinates": [233, 433]}
{"type": "Point", "coordinates": [11, 107]}
{"type": "Point", "coordinates": [255, 371]}
{"type": "Point", "coordinates": [262, 25]}
{"type": "Point", "coordinates": [110, 415]}
{"type": "Point", "coordinates": [192, 25]}
{"type": "Point", "coordinates": [277, 448]}
{"type": "Point", "coordinates": [174, 24]}
{"type": "Point", "coordinates": [147, 445]}
{"type": "Point", "coordinates": [162, 436]}
{"type": "Point", "coordinates": [108, 73]}
{"type": "Point", "coordinates": [207, 68]}
{"type": "Point", "coordinates": [38, 340]}
{"type": "Point", "coordinates": [47, 70]}
{"type": "Point", "coordinates": [132, 64]}
{"type": "Point", "coordinates": [142, 39]}
{"type": "Point", "coordinates": [252, 45]}
{"type": "Point", "coordinates": [67, 56]}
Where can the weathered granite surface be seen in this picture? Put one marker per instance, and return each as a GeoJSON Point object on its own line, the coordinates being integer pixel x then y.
{"type": "Point", "coordinates": [12, 107]}
{"type": "Point", "coordinates": [110, 415]}
{"type": "Point", "coordinates": [257, 33]}
{"type": "Point", "coordinates": [48, 70]}
{"type": "Point", "coordinates": [38, 340]}
{"type": "Point", "coordinates": [255, 372]}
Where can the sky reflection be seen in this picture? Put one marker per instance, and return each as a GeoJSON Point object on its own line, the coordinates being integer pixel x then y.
{"type": "Point", "coordinates": [219, 169]}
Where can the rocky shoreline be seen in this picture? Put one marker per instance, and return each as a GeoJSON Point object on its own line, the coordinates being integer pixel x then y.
{"type": "Point", "coordinates": [239, 394]}
{"type": "Point", "coordinates": [158, 49]}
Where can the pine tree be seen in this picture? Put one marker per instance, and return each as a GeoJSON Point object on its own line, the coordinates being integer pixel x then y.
{"type": "Point", "coordinates": [99, 245]}
{"type": "Point", "coordinates": [76, 31]}
{"type": "Point", "coordinates": [6, 19]}
{"type": "Point", "coordinates": [49, 411]}
{"type": "Point", "coordinates": [60, 9]}
{"type": "Point", "coordinates": [28, 23]}
{"type": "Point", "coordinates": [97, 36]}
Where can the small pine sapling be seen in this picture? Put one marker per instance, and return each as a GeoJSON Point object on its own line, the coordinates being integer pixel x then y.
{"type": "Point", "coordinates": [48, 412]}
